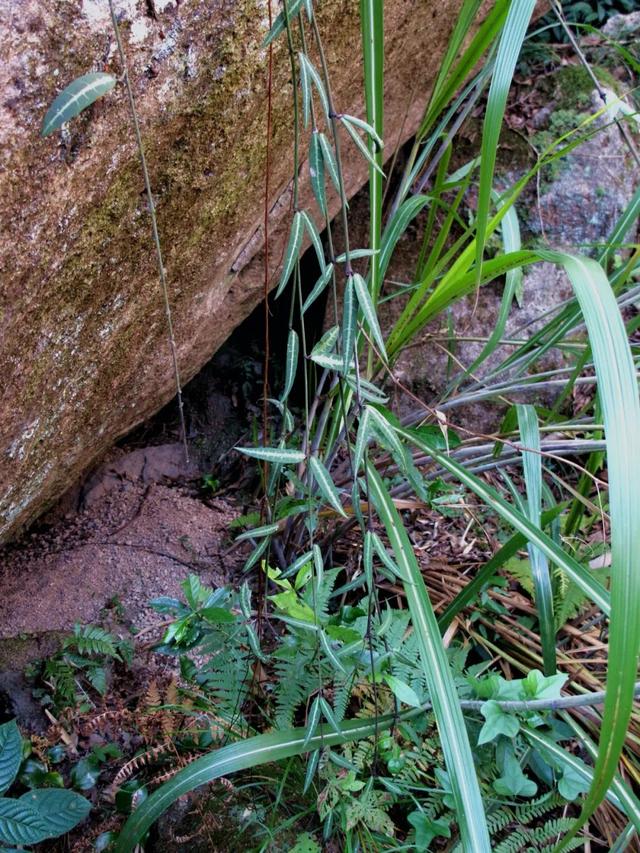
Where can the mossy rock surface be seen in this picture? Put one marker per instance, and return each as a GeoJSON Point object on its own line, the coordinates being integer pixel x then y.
{"type": "Point", "coordinates": [84, 353]}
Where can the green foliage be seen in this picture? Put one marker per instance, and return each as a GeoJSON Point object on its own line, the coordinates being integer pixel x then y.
{"type": "Point", "coordinates": [67, 678]}
{"type": "Point", "coordinates": [39, 814]}
{"type": "Point", "coordinates": [77, 96]}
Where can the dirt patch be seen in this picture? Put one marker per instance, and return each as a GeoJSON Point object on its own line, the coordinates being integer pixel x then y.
{"type": "Point", "coordinates": [139, 528]}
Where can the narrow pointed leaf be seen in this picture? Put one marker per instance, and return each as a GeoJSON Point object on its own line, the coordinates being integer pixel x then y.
{"type": "Point", "coordinates": [329, 160]}
{"type": "Point", "coordinates": [293, 348]}
{"type": "Point", "coordinates": [515, 28]}
{"type": "Point", "coordinates": [354, 254]}
{"type": "Point", "coordinates": [72, 100]}
{"type": "Point", "coordinates": [369, 313]}
{"type": "Point", "coordinates": [330, 717]}
{"type": "Point", "coordinates": [532, 464]}
{"type": "Point", "coordinates": [307, 70]}
{"type": "Point", "coordinates": [397, 227]}
{"type": "Point", "coordinates": [326, 485]}
{"type": "Point", "coordinates": [366, 127]}
{"type": "Point", "coordinates": [402, 691]}
{"type": "Point", "coordinates": [326, 645]}
{"type": "Point", "coordinates": [318, 287]}
{"type": "Point", "coordinates": [442, 691]}
{"type": "Point", "coordinates": [312, 721]}
{"type": "Point", "coordinates": [362, 440]}
{"type": "Point", "coordinates": [278, 455]}
{"type": "Point", "coordinates": [312, 231]}
{"type": "Point", "coordinates": [348, 324]}
{"type": "Point", "coordinates": [361, 146]}
{"type": "Point", "coordinates": [280, 23]}
{"type": "Point", "coordinates": [316, 172]}
{"type": "Point", "coordinates": [292, 252]}
{"type": "Point", "coordinates": [258, 532]}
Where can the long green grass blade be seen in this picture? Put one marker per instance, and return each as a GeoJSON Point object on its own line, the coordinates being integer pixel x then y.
{"type": "Point", "coordinates": [442, 692]}
{"type": "Point", "coordinates": [513, 34]}
{"type": "Point", "coordinates": [618, 395]}
{"type": "Point", "coordinates": [532, 465]}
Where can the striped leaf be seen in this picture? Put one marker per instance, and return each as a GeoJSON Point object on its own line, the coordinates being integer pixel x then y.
{"type": "Point", "coordinates": [293, 348]}
{"type": "Point", "coordinates": [372, 30]}
{"type": "Point", "coordinates": [75, 98]}
{"type": "Point", "coordinates": [366, 127]}
{"type": "Point", "coordinates": [280, 23]}
{"type": "Point", "coordinates": [361, 145]}
{"type": "Point", "coordinates": [277, 455]}
{"type": "Point", "coordinates": [348, 324]}
{"type": "Point", "coordinates": [329, 160]}
{"type": "Point", "coordinates": [354, 254]}
{"type": "Point", "coordinates": [312, 231]}
{"type": "Point", "coordinates": [532, 465]}
{"type": "Point", "coordinates": [440, 682]}
{"type": "Point", "coordinates": [316, 171]}
{"type": "Point", "coordinates": [309, 76]}
{"type": "Point", "coordinates": [369, 313]}
{"type": "Point", "coordinates": [326, 485]}
{"type": "Point", "coordinates": [318, 287]}
{"type": "Point", "coordinates": [397, 227]}
{"type": "Point", "coordinates": [258, 532]}
{"type": "Point", "coordinates": [292, 251]}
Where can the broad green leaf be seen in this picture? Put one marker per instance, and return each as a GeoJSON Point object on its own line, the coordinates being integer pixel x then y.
{"type": "Point", "coordinates": [326, 485]}
{"type": "Point", "coordinates": [440, 683]}
{"type": "Point", "coordinates": [369, 313]}
{"type": "Point", "coordinates": [497, 722]}
{"type": "Point", "coordinates": [277, 455]}
{"type": "Point", "coordinates": [402, 691]}
{"type": "Point", "coordinates": [72, 100]}
{"type": "Point", "coordinates": [513, 782]}
{"type": "Point", "coordinates": [59, 809]}
{"type": "Point", "coordinates": [532, 465]}
{"type": "Point", "coordinates": [329, 160]}
{"type": "Point", "coordinates": [309, 73]}
{"type": "Point", "coordinates": [318, 287]}
{"type": "Point", "coordinates": [316, 172]}
{"type": "Point", "coordinates": [20, 823]}
{"type": "Point", "coordinates": [361, 146]}
{"type": "Point", "coordinates": [10, 753]}
{"type": "Point", "coordinates": [291, 364]}
{"type": "Point", "coordinates": [292, 251]}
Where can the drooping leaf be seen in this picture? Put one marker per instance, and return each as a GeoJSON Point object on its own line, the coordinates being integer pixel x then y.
{"type": "Point", "coordinates": [326, 485]}
{"type": "Point", "coordinates": [311, 229]}
{"type": "Point", "coordinates": [349, 313]}
{"type": "Point", "coordinates": [366, 127]}
{"type": "Point", "coordinates": [75, 98]}
{"type": "Point", "coordinates": [329, 160]}
{"type": "Point", "coordinates": [369, 312]}
{"type": "Point", "coordinates": [280, 23]}
{"type": "Point", "coordinates": [309, 75]}
{"type": "Point", "coordinates": [402, 691]}
{"type": "Point", "coordinates": [10, 753]}
{"type": "Point", "coordinates": [293, 347]}
{"type": "Point", "coordinates": [292, 252]}
{"type": "Point", "coordinates": [316, 172]}
{"type": "Point", "coordinates": [318, 287]}
{"type": "Point", "coordinates": [361, 145]}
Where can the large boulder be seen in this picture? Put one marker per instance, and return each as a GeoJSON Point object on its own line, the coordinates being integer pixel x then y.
{"type": "Point", "coordinates": [84, 354]}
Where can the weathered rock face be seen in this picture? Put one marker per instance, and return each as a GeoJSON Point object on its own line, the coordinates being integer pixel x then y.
{"type": "Point", "coordinates": [84, 354]}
